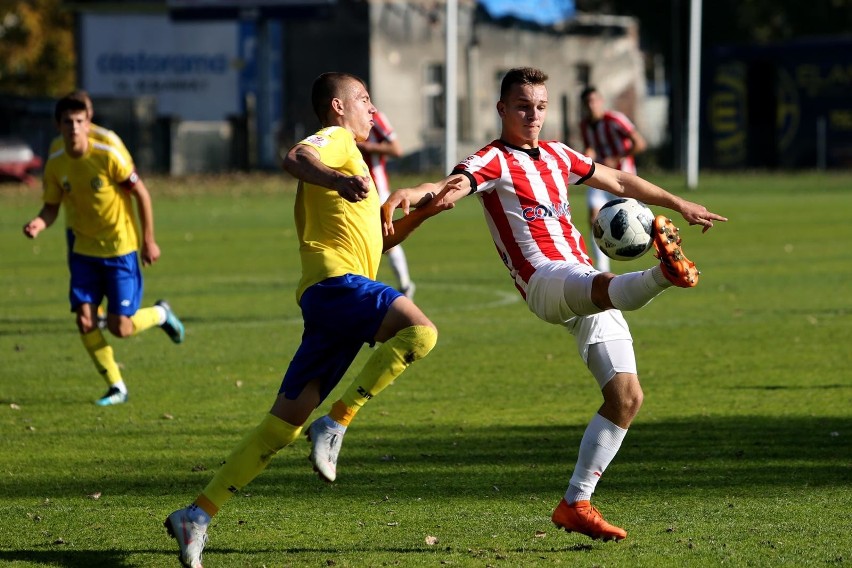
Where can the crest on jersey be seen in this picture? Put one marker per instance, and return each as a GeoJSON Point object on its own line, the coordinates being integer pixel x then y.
{"type": "Point", "coordinates": [96, 183]}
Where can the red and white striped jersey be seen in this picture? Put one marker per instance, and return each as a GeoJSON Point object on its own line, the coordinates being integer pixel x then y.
{"type": "Point", "coordinates": [524, 194]}
{"type": "Point", "coordinates": [382, 131]}
{"type": "Point", "coordinates": [610, 137]}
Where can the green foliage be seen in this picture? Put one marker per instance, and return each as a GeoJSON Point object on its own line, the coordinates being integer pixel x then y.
{"type": "Point", "coordinates": [37, 55]}
{"type": "Point", "coordinates": [740, 455]}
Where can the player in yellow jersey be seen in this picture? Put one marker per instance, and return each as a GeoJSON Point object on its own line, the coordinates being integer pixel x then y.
{"type": "Point", "coordinates": [97, 134]}
{"type": "Point", "coordinates": [341, 242]}
{"type": "Point", "coordinates": [97, 185]}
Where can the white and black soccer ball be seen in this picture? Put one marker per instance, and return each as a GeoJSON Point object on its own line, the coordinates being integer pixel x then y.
{"type": "Point", "coordinates": [623, 229]}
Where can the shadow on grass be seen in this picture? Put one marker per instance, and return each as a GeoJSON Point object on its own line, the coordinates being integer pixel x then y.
{"type": "Point", "coordinates": [37, 326]}
{"type": "Point", "coordinates": [68, 558]}
{"type": "Point", "coordinates": [758, 454]}
{"type": "Point", "coordinates": [217, 556]}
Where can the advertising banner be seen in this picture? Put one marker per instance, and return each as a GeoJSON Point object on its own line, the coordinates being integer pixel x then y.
{"type": "Point", "coordinates": [191, 68]}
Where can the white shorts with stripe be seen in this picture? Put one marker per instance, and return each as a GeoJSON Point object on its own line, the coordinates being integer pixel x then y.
{"type": "Point", "coordinates": [546, 298]}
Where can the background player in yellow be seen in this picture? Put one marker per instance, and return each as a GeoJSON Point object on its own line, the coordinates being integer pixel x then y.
{"type": "Point", "coordinates": [96, 134]}
{"type": "Point", "coordinates": [339, 227]}
{"type": "Point", "coordinates": [97, 185]}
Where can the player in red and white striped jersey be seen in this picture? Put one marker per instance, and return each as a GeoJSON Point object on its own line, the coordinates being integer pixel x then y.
{"type": "Point", "coordinates": [611, 139]}
{"type": "Point", "coordinates": [523, 184]}
{"type": "Point", "coordinates": [381, 144]}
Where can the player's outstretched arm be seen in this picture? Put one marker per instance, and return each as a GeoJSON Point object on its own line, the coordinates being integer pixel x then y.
{"type": "Point", "coordinates": [630, 185]}
{"type": "Point", "coordinates": [429, 206]}
{"type": "Point", "coordinates": [450, 189]}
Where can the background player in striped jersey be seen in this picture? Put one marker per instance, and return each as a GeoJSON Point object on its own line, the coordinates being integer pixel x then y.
{"type": "Point", "coordinates": [97, 185]}
{"type": "Point", "coordinates": [611, 139]}
{"type": "Point", "coordinates": [522, 183]}
{"type": "Point", "coordinates": [379, 145]}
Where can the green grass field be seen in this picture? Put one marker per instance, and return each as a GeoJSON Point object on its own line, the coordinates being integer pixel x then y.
{"type": "Point", "coordinates": [741, 455]}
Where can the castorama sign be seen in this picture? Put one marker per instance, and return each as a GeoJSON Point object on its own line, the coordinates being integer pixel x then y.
{"type": "Point", "coordinates": [193, 69]}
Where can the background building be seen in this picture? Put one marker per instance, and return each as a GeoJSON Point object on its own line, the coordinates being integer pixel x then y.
{"type": "Point", "coordinates": [213, 85]}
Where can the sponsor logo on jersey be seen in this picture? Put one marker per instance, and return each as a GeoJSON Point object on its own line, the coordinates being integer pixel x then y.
{"type": "Point", "coordinates": [544, 210]}
{"type": "Point", "coordinates": [317, 140]}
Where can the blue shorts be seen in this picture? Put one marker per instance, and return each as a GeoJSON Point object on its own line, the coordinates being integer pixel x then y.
{"type": "Point", "coordinates": [119, 279]}
{"type": "Point", "coordinates": [341, 314]}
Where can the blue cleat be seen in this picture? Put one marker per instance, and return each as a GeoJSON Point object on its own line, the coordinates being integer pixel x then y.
{"type": "Point", "coordinates": [113, 396]}
{"type": "Point", "coordinates": [172, 326]}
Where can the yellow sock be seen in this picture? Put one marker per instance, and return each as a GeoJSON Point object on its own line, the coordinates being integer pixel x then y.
{"type": "Point", "coordinates": [384, 365]}
{"type": "Point", "coordinates": [102, 356]}
{"type": "Point", "coordinates": [145, 318]}
{"type": "Point", "coordinates": [247, 461]}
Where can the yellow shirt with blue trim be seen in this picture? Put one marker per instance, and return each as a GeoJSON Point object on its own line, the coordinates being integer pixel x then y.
{"type": "Point", "coordinates": [99, 211]}
{"type": "Point", "coordinates": [336, 236]}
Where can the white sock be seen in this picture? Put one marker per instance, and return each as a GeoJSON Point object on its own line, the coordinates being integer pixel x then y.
{"type": "Point", "coordinates": [633, 290]}
{"type": "Point", "coordinates": [399, 265]}
{"type": "Point", "coordinates": [600, 443]}
{"type": "Point", "coordinates": [161, 312]}
{"type": "Point", "coordinates": [120, 386]}
{"type": "Point", "coordinates": [601, 260]}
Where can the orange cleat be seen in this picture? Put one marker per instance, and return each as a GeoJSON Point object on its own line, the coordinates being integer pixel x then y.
{"type": "Point", "coordinates": [677, 269]}
{"type": "Point", "coordinates": [582, 517]}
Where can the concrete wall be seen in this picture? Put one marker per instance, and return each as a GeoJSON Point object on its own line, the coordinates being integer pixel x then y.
{"type": "Point", "coordinates": [408, 36]}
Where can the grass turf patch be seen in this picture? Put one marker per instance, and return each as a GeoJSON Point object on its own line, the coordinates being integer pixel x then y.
{"type": "Point", "coordinates": [740, 455]}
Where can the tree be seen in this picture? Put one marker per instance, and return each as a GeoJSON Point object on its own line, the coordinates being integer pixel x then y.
{"type": "Point", "coordinates": [37, 56]}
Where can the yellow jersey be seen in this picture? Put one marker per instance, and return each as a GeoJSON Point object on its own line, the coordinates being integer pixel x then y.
{"type": "Point", "coordinates": [98, 134]}
{"type": "Point", "coordinates": [99, 211]}
{"type": "Point", "coordinates": [336, 236]}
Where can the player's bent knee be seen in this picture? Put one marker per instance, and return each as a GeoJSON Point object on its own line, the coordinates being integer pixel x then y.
{"type": "Point", "coordinates": [120, 328]}
{"type": "Point", "coordinates": [419, 340]}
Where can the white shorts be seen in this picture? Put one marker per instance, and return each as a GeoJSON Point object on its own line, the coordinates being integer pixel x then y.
{"type": "Point", "coordinates": [597, 198]}
{"type": "Point", "coordinates": [546, 298]}
{"type": "Point", "coordinates": [611, 357]}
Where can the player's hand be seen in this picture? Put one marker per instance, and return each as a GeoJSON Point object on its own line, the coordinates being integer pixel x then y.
{"type": "Point", "coordinates": [696, 214]}
{"type": "Point", "coordinates": [150, 253]}
{"type": "Point", "coordinates": [353, 188]}
{"type": "Point", "coordinates": [34, 227]}
{"type": "Point", "coordinates": [443, 200]}
{"type": "Point", "coordinates": [398, 199]}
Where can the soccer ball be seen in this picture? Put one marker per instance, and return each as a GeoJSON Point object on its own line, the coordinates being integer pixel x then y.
{"type": "Point", "coordinates": [623, 229]}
